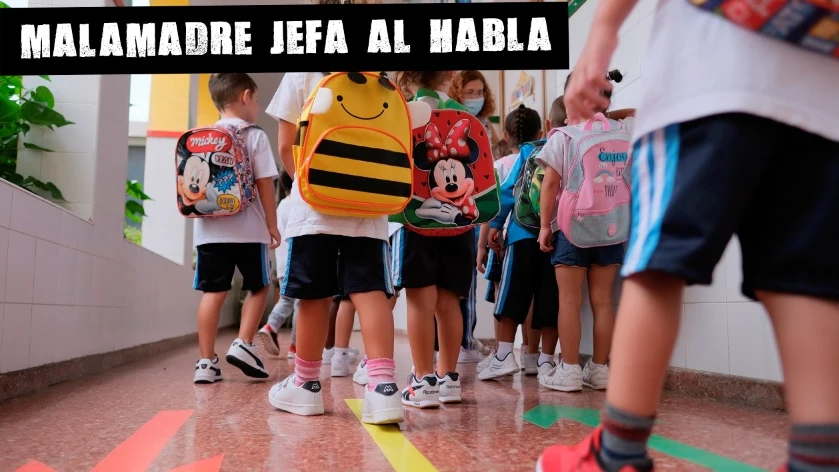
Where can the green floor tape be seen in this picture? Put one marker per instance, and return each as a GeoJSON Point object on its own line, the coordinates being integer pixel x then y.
{"type": "Point", "coordinates": [546, 415]}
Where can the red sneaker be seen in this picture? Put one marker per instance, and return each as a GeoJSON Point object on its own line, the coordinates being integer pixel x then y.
{"type": "Point", "coordinates": [580, 458]}
{"type": "Point", "coordinates": [292, 351]}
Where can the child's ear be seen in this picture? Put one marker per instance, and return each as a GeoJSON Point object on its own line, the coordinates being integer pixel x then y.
{"type": "Point", "coordinates": [420, 113]}
{"type": "Point", "coordinates": [322, 101]}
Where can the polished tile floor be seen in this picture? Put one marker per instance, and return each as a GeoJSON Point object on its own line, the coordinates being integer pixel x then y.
{"type": "Point", "coordinates": [149, 416]}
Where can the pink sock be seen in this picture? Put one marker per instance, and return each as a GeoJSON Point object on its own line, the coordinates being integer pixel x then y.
{"type": "Point", "coordinates": [379, 371]}
{"type": "Point", "coordinates": [306, 371]}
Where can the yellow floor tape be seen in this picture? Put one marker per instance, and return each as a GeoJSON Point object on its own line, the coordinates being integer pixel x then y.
{"type": "Point", "coordinates": [401, 454]}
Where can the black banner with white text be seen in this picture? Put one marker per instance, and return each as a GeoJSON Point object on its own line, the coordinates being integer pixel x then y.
{"type": "Point", "coordinates": [283, 38]}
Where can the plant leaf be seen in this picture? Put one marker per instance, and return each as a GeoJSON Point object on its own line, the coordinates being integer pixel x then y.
{"type": "Point", "coordinates": [55, 193]}
{"type": "Point", "coordinates": [135, 208]}
{"type": "Point", "coordinates": [35, 147]}
{"type": "Point", "coordinates": [37, 114]}
{"type": "Point", "coordinates": [3, 5]}
{"type": "Point", "coordinates": [45, 77]}
{"type": "Point", "coordinates": [134, 189]}
{"type": "Point", "coordinates": [45, 96]}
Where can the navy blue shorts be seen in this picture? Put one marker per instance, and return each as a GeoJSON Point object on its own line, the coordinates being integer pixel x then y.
{"type": "Point", "coordinates": [422, 261]}
{"type": "Point", "coordinates": [323, 265]}
{"type": "Point", "coordinates": [528, 276]}
{"type": "Point", "coordinates": [493, 270]}
{"type": "Point", "coordinates": [217, 262]}
{"type": "Point", "coordinates": [566, 254]}
{"type": "Point", "coordinates": [696, 184]}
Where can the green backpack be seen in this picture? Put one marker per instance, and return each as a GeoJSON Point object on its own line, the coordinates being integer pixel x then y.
{"type": "Point", "coordinates": [528, 187]}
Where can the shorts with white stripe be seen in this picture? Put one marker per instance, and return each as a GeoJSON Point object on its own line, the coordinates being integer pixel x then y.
{"type": "Point", "coordinates": [528, 275]}
{"type": "Point", "coordinates": [696, 184]}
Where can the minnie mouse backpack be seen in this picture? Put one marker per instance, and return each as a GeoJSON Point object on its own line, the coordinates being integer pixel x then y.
{"type": "Point", "coordinates": [455, 186]}
{"type": "Point", "coordinates": [214, 173]}
{"type": "Point", "coordinates": [594, 206]}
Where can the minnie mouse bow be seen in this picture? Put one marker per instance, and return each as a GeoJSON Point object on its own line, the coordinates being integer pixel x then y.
{"type": "Point", "coordinates": [454, 146]}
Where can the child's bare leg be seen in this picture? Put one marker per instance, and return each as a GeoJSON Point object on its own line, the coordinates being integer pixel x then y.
{"type": "Point", "coordinates": [252, 311]}
{"type": "Point", "coordinates": [344, 323]}
{"type": "Point", "coordinates": [601, 283]}
{"type": "Point", "coordinates": [391, 302]}
{"type": "Point", "coordinates": [312, 324]}
{"type": "Point", "coordinates": [330, 333]}
{"type": "Point", "coordinates": [376, 318]}
{"type": "Point", "coordinates": [450, 330]}
{"type": "Point", "coordinates": [806, 329]}
{"type": "Point", "coordinates": [570, 281]}
{"type": "Point", "coordinates": [646, 329]}
{"type": "Point", "coordinates": [549, 336]}
{"type": "Point", "coordinates": [209, 311]}
{"type": "Point", "coordinates": [421, 303]}
{"type": "Point", "coordinates": [533, 335]}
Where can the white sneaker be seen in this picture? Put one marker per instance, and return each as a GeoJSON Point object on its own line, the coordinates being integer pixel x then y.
{"type": "Point", "coordinates": [469, 357]}
{"type": "Point", "coordinates": [305, 400]}
{"type": "Point", "coordinates": [546, 367]}
{"type": "Point", "coordinates": [382, 405]}
{"type": "Point", "coordinates": [530, 362]}
{"type": "Point", "coordinates": [500, 367]}
{"type": "Point", "coordinates": [340, 365]}
{"type": "Point", "coordinates": [522, 353]}
{"type": "Point", "coordinates": [244, 357]}
{"type": "Point", "coordinates": [423, 393]}
{"type": "Point", "coordinates": [484, 363]}
{"type": "Point", "coordinates": [360, 375]}
{"type": "Point", "coordinates": [595, 376]}
{"type": "Point", "coordinates": [449, 386]}
{"type": "Point", "coordinates": [268, 340]}
{"type": "Point", "coordinates": [207, 371]}
{"type": "Point", "coordinates": [327, 355]}
{"type": "Point", "coordinates": [564, 377]}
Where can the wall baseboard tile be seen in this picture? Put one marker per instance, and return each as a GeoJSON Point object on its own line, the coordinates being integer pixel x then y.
{"type": "Point", "coordinates": [28, 381]}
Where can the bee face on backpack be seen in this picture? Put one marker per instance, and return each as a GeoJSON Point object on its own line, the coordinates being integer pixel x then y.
{"type": "Point", "coordinates": [364, 99]}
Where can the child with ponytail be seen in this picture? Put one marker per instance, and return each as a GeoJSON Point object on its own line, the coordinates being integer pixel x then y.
{"type": "Point", "coordinates": [526, 275]}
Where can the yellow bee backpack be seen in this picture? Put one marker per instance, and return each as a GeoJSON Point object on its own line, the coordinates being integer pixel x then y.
{"type": "Point", "coordinates": [353, 152]}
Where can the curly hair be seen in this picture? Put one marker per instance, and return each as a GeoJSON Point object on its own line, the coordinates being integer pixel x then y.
{"type": "Point", "coordinates": [466, 76]}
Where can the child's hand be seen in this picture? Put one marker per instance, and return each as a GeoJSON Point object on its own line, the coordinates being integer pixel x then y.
{"type": "Point", "coordinates": [584, 95]}
{"type": "Point", "coordinates": [481, 260]}
{"type": "Point", "coordinates": [492, 240]}
{"type": "Point", "coordinates": [545, 239]}
{"type": "Point", "coordinates": [276, 238]}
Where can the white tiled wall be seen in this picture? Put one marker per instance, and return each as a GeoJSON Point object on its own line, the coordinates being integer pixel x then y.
{"type": "Point", "coordinates": [722, 331]}
{"type": "Point", "coordinates": [70, 287]}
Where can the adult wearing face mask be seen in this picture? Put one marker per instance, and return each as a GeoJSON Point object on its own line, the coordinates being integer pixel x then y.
{"type": "Point", "coordinates": [471, 89]}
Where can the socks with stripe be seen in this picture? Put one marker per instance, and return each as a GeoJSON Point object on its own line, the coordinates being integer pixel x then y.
{"type": "Point", "coordinates": [814, 448]}
{"type": "Point", "coordinates": [503, 350]}
{"type": "Point", "coordinates": [624, 439]}
{"type": "Point", "coordinates": [306, 371]}
{"type": "Point", "coordinates": [379, 371]}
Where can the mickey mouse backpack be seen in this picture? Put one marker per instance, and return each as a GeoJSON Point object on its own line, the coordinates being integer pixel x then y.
{"type": "Point", "coordinates": [594, 206]}
{"type": "Point", "coordinates": [810, 24]}
{"type": "Point", "coordinates": [214, 173]}
{"type": "Point", "coordinates": [455, 186]}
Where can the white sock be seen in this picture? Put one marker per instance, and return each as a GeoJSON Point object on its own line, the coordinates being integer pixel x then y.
{"type": "Point", "coordinates": [545, 358]}
{"type": "Point", "coordinates": [341, 351]}
{"type": "Point", "coordinates": [328, 353]}
{"type": "Point", "coordinates": [503, 350]}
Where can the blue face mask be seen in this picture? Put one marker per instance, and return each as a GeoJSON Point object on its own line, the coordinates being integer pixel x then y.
{"type": "Point", "coordinates": [474, 105]}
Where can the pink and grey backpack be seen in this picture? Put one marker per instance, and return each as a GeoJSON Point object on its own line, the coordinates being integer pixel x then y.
{"type": "Point", "coordinates": [594, 207]}
{"type": "Point", "coordinates": [214, 172]}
